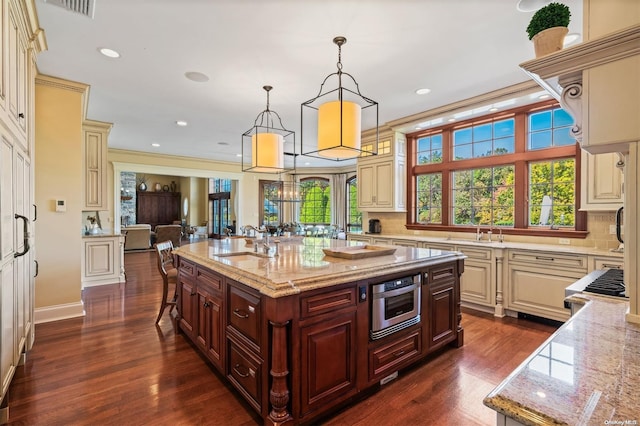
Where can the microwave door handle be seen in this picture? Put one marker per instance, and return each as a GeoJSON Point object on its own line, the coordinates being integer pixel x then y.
{"type": "Point", "coordinates": [399, 291]}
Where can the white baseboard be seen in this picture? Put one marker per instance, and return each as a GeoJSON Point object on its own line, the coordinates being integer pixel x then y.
{"type": "Point", "coordinates": [59, 312]}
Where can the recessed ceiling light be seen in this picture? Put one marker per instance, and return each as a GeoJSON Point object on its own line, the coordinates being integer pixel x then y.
{"type": "Point", "coordinates": [570, 39]}
{"type": "Point", "coordinates": [223, 143]}
{"type": "Point", "coordinates": [423, 91]}
{"type": "Point", "coordinates": [451, 120]}
{"type": "Point", "coordinates": [238, 155]}
{"type": "Point", "coordinates": [530, 5]}
{"type": "Point", "coordinates": [493, 109]}
{"type": "Point", "coordinates": [545, 96]}
{"type": "Point", "coordinates": [196, 76]}
{"type": "Point", "coordinates": [307, 163]}
{"type": "Point", "coordinates": [181, 123]}
{"type": "Point", "coordinates": [110, 53]}
{"type": "Point", "coordinates": [155, 145]}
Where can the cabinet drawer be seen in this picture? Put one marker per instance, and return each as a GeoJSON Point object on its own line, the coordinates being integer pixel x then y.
{"type": "Point", "coordinates": [388, 358]}
{"type": "Point", "coordinates": [245, 372]}
{"type": "Point", "coordinates": [475, 253]}
{"type": "Point", "coordinates": [436, 246]}
{"type": "Point", "coordinates": [605, 262]}
{"type": "Point", "coordinates": [440, 273]}
{"type": "Point", "coordinates": [405, 243]}
{"type": "Point", "coordinates": [577, 262]}
{"type": "Point", "coordinates": [187, 269]}
{"type": "Point", "coordinates": [210, 279]}
{"type": "Point", "coordinates": [327, 302]}
{"type": "Point", "coordinates": [244, 313]}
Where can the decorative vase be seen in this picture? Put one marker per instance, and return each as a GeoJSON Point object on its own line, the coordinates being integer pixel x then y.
{"type": "Point", "coordinates": [158, 187]}
{"type": "Point", "coordinates": [173, 186]}
{"type": "Point", "coordinates": [142, 187]}
{"type": "Point", "coordinates": [549, 40]}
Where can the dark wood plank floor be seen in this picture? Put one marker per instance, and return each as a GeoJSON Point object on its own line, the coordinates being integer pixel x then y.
{"type": "Point", "coordinates": [115, 366]}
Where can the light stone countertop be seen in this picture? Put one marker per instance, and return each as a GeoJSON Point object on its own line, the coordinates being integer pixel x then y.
{"type": "Point", "coordinates": [102, 235]}
{"type": "Point", "coordinates": [589, 251]}
{"type": "Point", "coordinates": [302, 264]}
{"type": "Point", "coordinates": [586, 373]}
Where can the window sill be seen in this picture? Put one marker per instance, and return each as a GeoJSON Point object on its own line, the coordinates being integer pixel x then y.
{"type": "Point", "coordinates": [533, 232]}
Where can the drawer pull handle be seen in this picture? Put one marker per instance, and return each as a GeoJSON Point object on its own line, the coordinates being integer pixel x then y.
{"type": "Point", "coordinates": [399, 353]}
{"type": "Point", "coordinates": [206, 305]}
{"type": "Point", "coordinates": [551, 259]}
{"type": "Point", "coordinates": [606, 265]}
{"type": "Point", "coordinates": [240, 314]}
{"type": "Point", "coordinates": [242, 374]}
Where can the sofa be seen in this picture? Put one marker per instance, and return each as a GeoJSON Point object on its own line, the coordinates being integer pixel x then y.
{"type": "Point", "coordinates": [169, 232]}
{"type": "Point", "coordinates": [137, 236]}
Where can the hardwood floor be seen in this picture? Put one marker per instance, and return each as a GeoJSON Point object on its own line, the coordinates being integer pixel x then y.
{"type": "Point", "coordinates": [115, 366]}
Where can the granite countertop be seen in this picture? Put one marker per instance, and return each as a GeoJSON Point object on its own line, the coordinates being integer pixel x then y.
{"type": "Point", "coordinates": [590, 251]}
{"type": "Point", "coordinates": [102, 235]}
{"type": "Point", "coordinates": [586, 373]}
{"type": "Point", "coordinates": [302, 264]}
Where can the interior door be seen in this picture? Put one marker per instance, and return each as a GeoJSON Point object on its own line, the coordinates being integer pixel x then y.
{"type": "Point", "coordinates": [219, 214]}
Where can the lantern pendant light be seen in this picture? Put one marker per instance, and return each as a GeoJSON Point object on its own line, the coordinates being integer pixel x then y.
{"type": "Point", "coordinates": [263, 144]}
{"type": "Point", "coordinates": [335, 118]}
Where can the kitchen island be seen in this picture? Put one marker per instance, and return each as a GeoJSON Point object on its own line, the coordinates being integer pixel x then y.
{"type": "Point", "coordinates": [291, 328]}
{"type": "Point", "coordinates": [586, 373]}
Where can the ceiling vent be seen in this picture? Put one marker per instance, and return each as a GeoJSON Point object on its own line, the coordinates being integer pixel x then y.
{"type": "Point", "coordinates": [83, 7]}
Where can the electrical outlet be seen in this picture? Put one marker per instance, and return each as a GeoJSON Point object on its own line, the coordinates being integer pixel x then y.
{"type": "Point", "coordinates": [564, 241]}
{"type": "Point", "coordinates": [612, 229]}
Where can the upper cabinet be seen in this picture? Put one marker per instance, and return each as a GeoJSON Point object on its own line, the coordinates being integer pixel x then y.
{"type": "Point", "coordinates": [381, 178]}
{"type": "Point", "coordinates": [95, 164]}
{"type": "Point", "coordinates": [602, 177]}
{"type": "Point", "coordinates": [597, 81]}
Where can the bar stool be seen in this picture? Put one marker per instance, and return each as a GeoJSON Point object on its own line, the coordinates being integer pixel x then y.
{"type": "Point", "coordinates": [169, 276]}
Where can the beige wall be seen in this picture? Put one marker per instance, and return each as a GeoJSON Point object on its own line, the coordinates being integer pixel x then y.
{"type": "Point", "coordinates": [194, 173]}
{"type": "Point", "coordinates": [58, 175]}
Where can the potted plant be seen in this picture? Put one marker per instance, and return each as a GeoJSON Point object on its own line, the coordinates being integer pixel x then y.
{"type": "Point", "coordinates": [547, 28]}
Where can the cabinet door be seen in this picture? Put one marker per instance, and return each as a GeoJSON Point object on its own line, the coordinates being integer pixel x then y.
{"type": "Point", "coordinates": [601, 188]}
{"type": "Point", "coordinates": [328, 357]}
{"type": "Point", "coordinates": [442, 313]}
{"type": "Point", "coordinates": [17, 72]}
{"type": "Point", "coordinates": [209, 330]}
{"type": "Point", "coordinates": [366, 186]}
{"type": "Point", "coordinates": [538, 291]}
{"type": "Point", "coordinates": [187, 307]}
{"type": "Point", "coordinates": [384, 185]}
{"type": "Point", "coordinates": [95, 182]}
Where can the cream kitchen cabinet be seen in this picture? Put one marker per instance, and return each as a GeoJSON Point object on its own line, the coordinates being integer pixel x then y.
{"type": "Point", "coordinates": [478, 282]}
{"type": "Point", "coordinates": [20, 41]}
{"type": "Point", "coordinates": [361, 238]}
{"type": "Point", "coordinates": [601, 188]}
{"type": "Point", "coordinates": [537, 279]}
{"type": "Point", "coordinates": [95, 164]}
{"type": "Point", "coordinates": [102, 260]}
{"type": "Point", "coordinates": [381, 178]}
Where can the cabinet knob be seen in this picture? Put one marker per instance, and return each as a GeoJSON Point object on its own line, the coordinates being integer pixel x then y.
{"type": "Point", "coordinates": [21, 115]}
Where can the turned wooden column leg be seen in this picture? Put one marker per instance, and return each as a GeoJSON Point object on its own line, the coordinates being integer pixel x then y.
{"type": "Point", "coordinates": [279, 392]}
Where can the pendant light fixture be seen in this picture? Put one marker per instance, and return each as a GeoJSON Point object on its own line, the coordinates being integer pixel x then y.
{"type": "Point", "coordinates": [335, 117]}
{"type": "Point", "coordinates": [263, 145]}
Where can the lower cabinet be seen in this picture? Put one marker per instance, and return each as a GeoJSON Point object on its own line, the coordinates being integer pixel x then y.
{"type": "Point", "coordinates": [297, 357]}
{"type": "Point", "coordinates": [209, 331]}
{"type": "Point", "coordinates": [328, 361]}
{"type": "Point", "coordinates": [102, 260]}
{"type": "Point", "coordinates": [388, 357]}
{"type": "Point", "coordinates": [478, 283]}
{"type": "Point", "coordinates": [537, 281]}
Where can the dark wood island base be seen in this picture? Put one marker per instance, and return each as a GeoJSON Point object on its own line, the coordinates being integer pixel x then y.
{"type": "Point", "coordinates": [295, 341]}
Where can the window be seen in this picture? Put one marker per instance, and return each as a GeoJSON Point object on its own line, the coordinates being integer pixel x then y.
{"type": "Point", "coordinates": [515, 170]}
{"type": "Point", "coordinates": [315, 207]}
{"type": "Point", "coordinates": [354, 216]}
{"type": "Point", "coordinates": [270, 214]}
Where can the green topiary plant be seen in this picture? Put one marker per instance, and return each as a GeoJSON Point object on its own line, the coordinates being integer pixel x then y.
{"type": "Point", "coordinates": [549, 16]}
